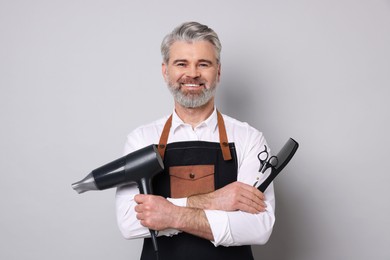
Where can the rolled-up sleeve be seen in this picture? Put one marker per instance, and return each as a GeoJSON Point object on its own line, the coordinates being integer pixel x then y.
{"type": "Point", "coordinates": [234, 228]}
{"type": "Point", "coordinates": [237, 228]}
{"type": "Point", "coordinates": [127, 221]}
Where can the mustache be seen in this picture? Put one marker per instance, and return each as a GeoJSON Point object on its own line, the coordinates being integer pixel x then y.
{"type": "Point", "coordinates": [192, 81]}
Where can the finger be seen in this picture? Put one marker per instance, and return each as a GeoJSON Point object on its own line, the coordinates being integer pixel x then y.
{"type": "Point", "coordinates": [143, 223]}
{"type": "Point", "coordinates": [252, 206]}
{"type": "Point", "coordinates": [253, 200]}
{"type": "Point", "coordinates": [253, 197]}
{"type": "Point", "coordinates": [138, 208]}
{"type": "Point", "coordinates": [139, 198]}
{"type": "Point", "coordinates": [247, 208]}
{"type": "Point", "coordinates": [249, 197]}
{"type": "Point", "coordinates": [251, 189]}
{"type": "Point", "coordinates": [256, 192]}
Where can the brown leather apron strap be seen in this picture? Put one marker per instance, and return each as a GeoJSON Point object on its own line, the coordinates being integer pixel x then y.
{"type": "Point", "coordinates": [162, 145]}
{"type": "Point", "coordinates": [223, 140]}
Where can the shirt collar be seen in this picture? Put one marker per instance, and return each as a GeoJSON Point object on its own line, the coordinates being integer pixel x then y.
{"type": "Point", "coordinates": [211, 122]}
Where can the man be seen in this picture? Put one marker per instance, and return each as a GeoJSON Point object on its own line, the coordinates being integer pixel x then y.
{"type": "Point", "coordinates": [205, 205]}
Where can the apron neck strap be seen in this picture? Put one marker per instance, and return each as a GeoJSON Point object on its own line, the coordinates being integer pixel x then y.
{"type": "Point", "coordinates": [162, 145]}
{"type": "Point", "coordinates": [223, 140]}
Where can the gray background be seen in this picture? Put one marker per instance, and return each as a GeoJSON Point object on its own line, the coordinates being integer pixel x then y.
{"type": "Point", "coordinates": [77, 76]}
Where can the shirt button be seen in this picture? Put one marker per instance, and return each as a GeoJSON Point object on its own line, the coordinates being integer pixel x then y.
{"type": "Point", "coordinates": [192, 175]}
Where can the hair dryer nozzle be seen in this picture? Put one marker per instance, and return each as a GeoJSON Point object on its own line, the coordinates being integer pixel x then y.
{"type": "Point", "coordinates": [86, 184]}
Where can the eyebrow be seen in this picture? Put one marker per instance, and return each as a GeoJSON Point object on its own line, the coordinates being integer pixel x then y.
{"type": "Point", "coordinates": [199, 61]}
{"type": "Point", "coordinates": [206, 61]}
{"type": "Point", "coordinates": [179, 60]}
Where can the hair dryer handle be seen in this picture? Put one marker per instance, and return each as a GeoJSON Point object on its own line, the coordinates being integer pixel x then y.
{"type": "Point", "coordinates": [145, 186]}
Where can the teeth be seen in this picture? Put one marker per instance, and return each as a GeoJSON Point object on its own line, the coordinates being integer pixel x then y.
{"type": "Point", "coordinates": [192, 85]}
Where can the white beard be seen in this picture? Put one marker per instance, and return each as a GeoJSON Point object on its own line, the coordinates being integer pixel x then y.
{"type": "Point", "coordinates": [192, 100]}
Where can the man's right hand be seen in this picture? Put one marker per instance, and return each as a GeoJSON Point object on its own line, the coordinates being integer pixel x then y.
{"type": "Point", "coordinates": [232, 197]}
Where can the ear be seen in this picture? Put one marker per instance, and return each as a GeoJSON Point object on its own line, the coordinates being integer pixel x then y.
{"type": "Point", "coordinates": [219, 72]}
{"type": "Point", "coordinates": [164, 70]}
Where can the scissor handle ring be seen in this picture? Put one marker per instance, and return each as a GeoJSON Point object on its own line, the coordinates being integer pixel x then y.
{"type": "Point", "coordinates": [262, 153]}
{"type": "Point", "coordinates": [273, 161]}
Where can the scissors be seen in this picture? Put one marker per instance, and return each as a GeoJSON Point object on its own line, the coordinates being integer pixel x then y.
{"type": "Point", "coordinates": [266, 162]}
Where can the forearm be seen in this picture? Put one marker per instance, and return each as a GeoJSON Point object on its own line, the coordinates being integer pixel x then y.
{"type": "Point", "coordinates": [233, 225]}
{"type": "Point", "coordinates": [201, 201]}
{"type": "Point", "coordinates": [193, 221]}
{"type": "Point", "coordinates": [157, 213]}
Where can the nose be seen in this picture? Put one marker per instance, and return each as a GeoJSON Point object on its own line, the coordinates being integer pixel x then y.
{"type": "Point", "coordinates": [193, 72]}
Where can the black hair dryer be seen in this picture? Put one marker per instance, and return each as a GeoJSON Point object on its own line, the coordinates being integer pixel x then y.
{"type": "Point", "coordinates": [139, 166]}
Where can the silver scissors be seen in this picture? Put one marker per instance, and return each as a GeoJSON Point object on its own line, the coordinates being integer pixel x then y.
{"type": "Point", "coordinates": [266, 162]}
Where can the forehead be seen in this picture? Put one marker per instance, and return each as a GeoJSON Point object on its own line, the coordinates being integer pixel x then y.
{"type": "Point", "coordinates": [192, 51]}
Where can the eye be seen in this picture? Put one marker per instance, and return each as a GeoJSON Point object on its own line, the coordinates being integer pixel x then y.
{"type": "Point", "coordinates": [204, 65]}
{"type": "Point", "coordinates": [180, 64]}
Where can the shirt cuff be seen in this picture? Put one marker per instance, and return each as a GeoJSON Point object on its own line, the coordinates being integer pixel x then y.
{"type": "Point", "coordinates": [219, 224]}
{"type": "Point", "coordinates": [181, 202]}
{"type": "Point", "coordinates": [168, 232]}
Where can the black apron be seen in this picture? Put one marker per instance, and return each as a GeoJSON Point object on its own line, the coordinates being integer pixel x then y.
{"type": "Point", "coordinates": [190, 167]}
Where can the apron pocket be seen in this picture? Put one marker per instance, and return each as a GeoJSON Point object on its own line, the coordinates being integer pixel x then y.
{"type": "Point", "coordinates": [191, 180]}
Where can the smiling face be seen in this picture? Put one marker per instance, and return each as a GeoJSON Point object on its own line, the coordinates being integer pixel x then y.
{"type": "Point", "coordinates": [192, 73]}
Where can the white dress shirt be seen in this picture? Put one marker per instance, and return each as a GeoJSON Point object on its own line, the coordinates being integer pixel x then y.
{"type": "Point", "coordinates": [229, 228]}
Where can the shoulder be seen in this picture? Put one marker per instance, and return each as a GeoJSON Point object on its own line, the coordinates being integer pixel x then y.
{"type": "Point", "coordinates": [245, 137]}
{"type": "Point", "coordinates": [146, 134]}
{"type": "Point", "coordinates": [247, 140]}
{"type": "Point", "coordinates": [152, 126]}
{"type": "Point", "coordinates": [237, 128]}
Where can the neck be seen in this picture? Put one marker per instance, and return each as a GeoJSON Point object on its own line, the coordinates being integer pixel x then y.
{"type": "Point", "coordinates": [194, 116]}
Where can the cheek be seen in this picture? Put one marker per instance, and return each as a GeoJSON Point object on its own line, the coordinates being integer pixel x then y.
{"type": "Point", "coordinates": [213, 77]}
{"type": "Point", "coordinates": [173, 76]}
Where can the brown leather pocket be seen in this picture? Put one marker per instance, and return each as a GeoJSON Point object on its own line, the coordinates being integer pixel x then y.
{"type": "Point", "coordinates": [191, 180]}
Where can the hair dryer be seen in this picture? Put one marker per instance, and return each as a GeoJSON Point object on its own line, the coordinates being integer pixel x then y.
{"type": "Point", "coordinates": [139, 166]}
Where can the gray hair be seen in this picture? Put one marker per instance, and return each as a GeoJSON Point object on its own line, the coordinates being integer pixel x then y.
{"type": "Point", "coordinates": [190, 32]}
